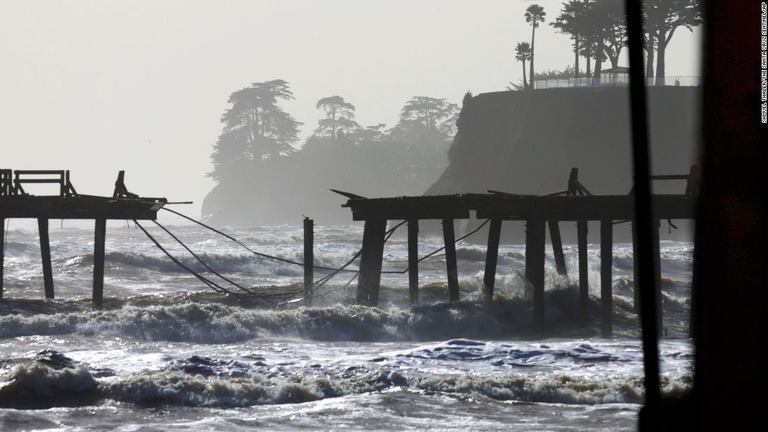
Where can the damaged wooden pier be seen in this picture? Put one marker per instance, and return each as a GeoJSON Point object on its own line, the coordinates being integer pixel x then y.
{"type": "Point", "coordinates": [15, 202]}
{"type": "Point", "coordinates": [538, 212]}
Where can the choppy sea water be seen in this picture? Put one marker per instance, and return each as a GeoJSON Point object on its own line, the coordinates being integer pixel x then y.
{"type": "Point", "coordinates": [168, 353]}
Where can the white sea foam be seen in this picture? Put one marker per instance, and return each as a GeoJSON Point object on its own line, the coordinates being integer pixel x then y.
{"type": "Point", "coordinates": [166, 353]}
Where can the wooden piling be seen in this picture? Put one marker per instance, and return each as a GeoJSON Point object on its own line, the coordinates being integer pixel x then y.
{"type": "Point", "coordinates": [656, 251]}
{"type": "Point", "coordinates": [100, 235]}
{"type": "Point", "coordinates": [309, 260]}
{"type": "Point", "coordinates": [534, 266]}
{"type": "Point", "coordinates": [557, 247]}
{"type": "Point", "coordinates": [45, 255]}
{"type": "Point", "coordinates": [2, 254]}
{"type": "Point", "coordinates": [370, 262]}
{"type": "Point", "coordinates": [449, 237]}
{"type": "Point", "coordinates": [582, 230]}
{"type": "Point", "coordinates": [606, 287]}
{"type": "Point", "coordinates": [491, 258]}
{"type": "Point", "coordinates": [413, 261]}
{"type": "Point", "coordinates": [635, 269]}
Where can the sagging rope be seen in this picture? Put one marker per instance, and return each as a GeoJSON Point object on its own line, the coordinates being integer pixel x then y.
{"type": "Point", "coordinates": [321, 282]}
{"type": "Point", "coordinates": [211, 284]}
{"type": "Point", "coordinates": [330, 276]}
{"type": "Point", "coordinates": [216, 287]}
{"type": "Point", "coordinates": [325, 279]}
{"type": "Point", "coordinates": [263, 255]}
{"type": "Point", "coordinates": [443, 248]}
{"type": "Point", "coordinates": [201, 261]}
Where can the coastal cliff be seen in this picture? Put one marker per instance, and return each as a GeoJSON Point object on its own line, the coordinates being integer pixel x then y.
{"type": "Point", "coordinates": [523, 142]}
{"type": "Point", "coordinates": [527, 141]}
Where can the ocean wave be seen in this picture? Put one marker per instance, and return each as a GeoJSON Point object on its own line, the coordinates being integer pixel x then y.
{"type": "Point", "coordinates": [34, 385]}
{"type": "Point", "coordinates": [471, 253]}
{"type": "Point", "coordinates": [223, 263]}
{"type": "Point", "coordinates": [212, 323]}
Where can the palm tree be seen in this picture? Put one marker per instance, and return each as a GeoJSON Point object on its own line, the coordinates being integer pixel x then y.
{"type": "Point", "coordinates": [534, 15]}
{"type": "Point", "coordinates": [523, 53]}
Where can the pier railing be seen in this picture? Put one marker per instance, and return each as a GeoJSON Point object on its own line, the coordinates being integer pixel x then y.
{"type": "Point", "coordinates": [12, 182]}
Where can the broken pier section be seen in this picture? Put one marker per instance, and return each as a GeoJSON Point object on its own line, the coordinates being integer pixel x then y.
{"type": "Point", "coordinates": [16, 202]}
{"type": "Point", "coordinates": [538, 212]}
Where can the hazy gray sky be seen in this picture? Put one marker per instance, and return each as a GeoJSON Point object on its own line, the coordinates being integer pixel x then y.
{"type": "Point", "coordinates": [96, 86]}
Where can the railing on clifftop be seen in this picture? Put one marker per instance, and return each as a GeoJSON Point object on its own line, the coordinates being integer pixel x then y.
{"type": "Point", "coordinates": [618, 80]}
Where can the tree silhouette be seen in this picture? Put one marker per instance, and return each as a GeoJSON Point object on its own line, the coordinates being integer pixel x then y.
{"type": "Point", "coordinates": [614, 28]}
{"type": "Point", "coordinates": [426, 119]}
{"type": "Point", "coordinates": [339, 117]}
{"type": "Point", "coordinates": [572, 21]}
{"type": "Point", "coordinates": [534, 15]}
{"type": "Point", "coordinates": [607, 33]}
{"type": "Point", "coordinates": [255, 128]}
{"type": "Point", "coordinates": [663, 18]}
{"type": "Point", "coordinates": [523, 54]}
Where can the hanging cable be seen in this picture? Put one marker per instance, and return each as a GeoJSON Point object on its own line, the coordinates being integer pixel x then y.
{"type": "Point", "coordinates": [271, 297]}
{"type": "Point", "coordinates": [201, 261]}
{"type": "Point", "coordinates": [216, 287]}
{"type": "Point", "coordinates": [263, 255]}
{"type": "Point", "coordinates": [443, 248]}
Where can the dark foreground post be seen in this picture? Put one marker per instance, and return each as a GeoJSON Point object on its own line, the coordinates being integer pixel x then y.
{"type": "Point", "coordinates": [99, 238]}
{"type": "Point", "coordinates": [45, 255]}
{"type": "Point", "coordinates": [450, 260]}
{"type": "Point", "coordinates": [309, 260]}
{"type": "Point", "coordinates": [370, 262]}
{"type": "Point", "coordinates": [491, 259]}
{"type": "Point", "coordinates": [413, 261]}
{"type": "Point", "coordinates": [606, 288]}
{"type": "Point", "coordinates": [534, 266]}
{"type": "Point", "coordinates": [557, 247]}
{"type": "Point", "coordinates": [581, 228]}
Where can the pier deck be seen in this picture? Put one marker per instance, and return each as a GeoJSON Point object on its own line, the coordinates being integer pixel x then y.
{"type": "Point", "coordinates": [16, 202]}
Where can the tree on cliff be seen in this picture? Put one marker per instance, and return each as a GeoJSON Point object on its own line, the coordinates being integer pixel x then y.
{"type": "Point", "coordinates": [598, 31]}
{"type": "Point", "coordinates": [339, 117]}
{"type": "Point", "coordinates": [426, 119]}
{"type": "Point", "coordinates": [534, 15]}
{"type": "Point", "coordinates": [605, 25]}
{"type": "Point", "coordinates": [571, 22]}
{"type": "Point", "coordinates": [523, 54]}
{"type": "Point", "coordinates": [662, 19]}
{"type": "Point", "coordinates": [613, 26]}
{"type": "Point", "coordinates": [255, 128]}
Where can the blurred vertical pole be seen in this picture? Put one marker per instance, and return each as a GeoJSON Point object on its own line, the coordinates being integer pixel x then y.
{"type": "Point", "coordinates": [730, 277]}
{"type": "Point", "coordinates": [645, 260]}
{"type": "Point", "coordinates": [309, 260]}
